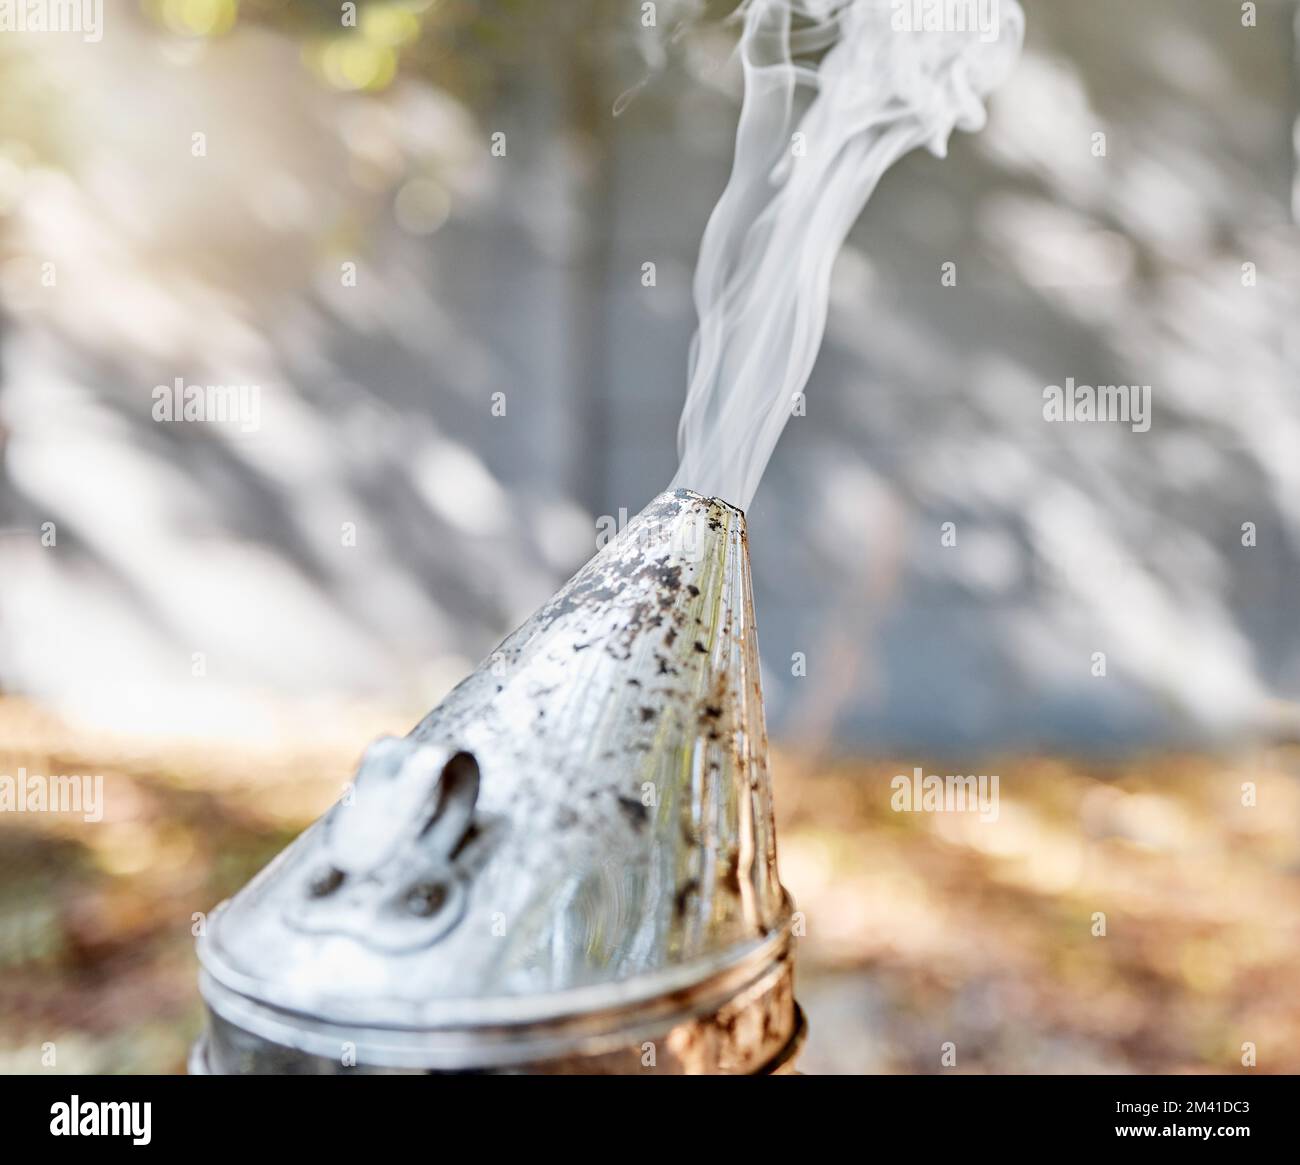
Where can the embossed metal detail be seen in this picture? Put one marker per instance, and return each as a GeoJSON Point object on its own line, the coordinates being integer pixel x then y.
{"type": "Point", "coordinates": [395, 862]}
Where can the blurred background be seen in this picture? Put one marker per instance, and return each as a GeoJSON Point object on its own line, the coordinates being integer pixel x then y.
{"type": "Point", "coordinates": [424, 239]}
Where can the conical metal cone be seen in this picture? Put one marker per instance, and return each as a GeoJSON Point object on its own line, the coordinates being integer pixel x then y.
{"type": "Point", "coordinates": [569, 865]}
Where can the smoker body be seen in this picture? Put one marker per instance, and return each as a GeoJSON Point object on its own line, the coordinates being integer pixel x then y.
{"type": "Point", "coordinates": [568, 866]}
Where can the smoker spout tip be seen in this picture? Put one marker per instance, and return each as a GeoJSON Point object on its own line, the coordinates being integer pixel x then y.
{"type": "Point", "coordinates": [708, 499]}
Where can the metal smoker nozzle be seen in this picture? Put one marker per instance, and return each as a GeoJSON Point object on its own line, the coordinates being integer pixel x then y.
{"type": "Point", "coordinates": [568, 866]}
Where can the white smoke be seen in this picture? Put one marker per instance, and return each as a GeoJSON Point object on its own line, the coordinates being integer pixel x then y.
{"type": "Point", "coordinates": [835, 92]}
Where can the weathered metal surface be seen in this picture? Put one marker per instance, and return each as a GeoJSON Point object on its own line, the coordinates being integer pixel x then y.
{"type": "Point", "coordinates": [571, 858]}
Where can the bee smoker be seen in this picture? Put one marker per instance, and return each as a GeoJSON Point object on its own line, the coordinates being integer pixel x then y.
{"type": "Point", "coordinates": [568, 866]}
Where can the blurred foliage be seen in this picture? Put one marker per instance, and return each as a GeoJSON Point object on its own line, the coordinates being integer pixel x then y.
{"type": "Point", "coordinates": [467, 47]}
{"type": "Point", "coordinates": [96, 919]}
{"type": "Point", "coordinates": [921, 928]}
{"type": "Point", "coordinates": [929, 928]}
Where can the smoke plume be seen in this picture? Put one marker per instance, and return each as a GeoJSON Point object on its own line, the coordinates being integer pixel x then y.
{"type": "Point", "coordinates": [835, 92]}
